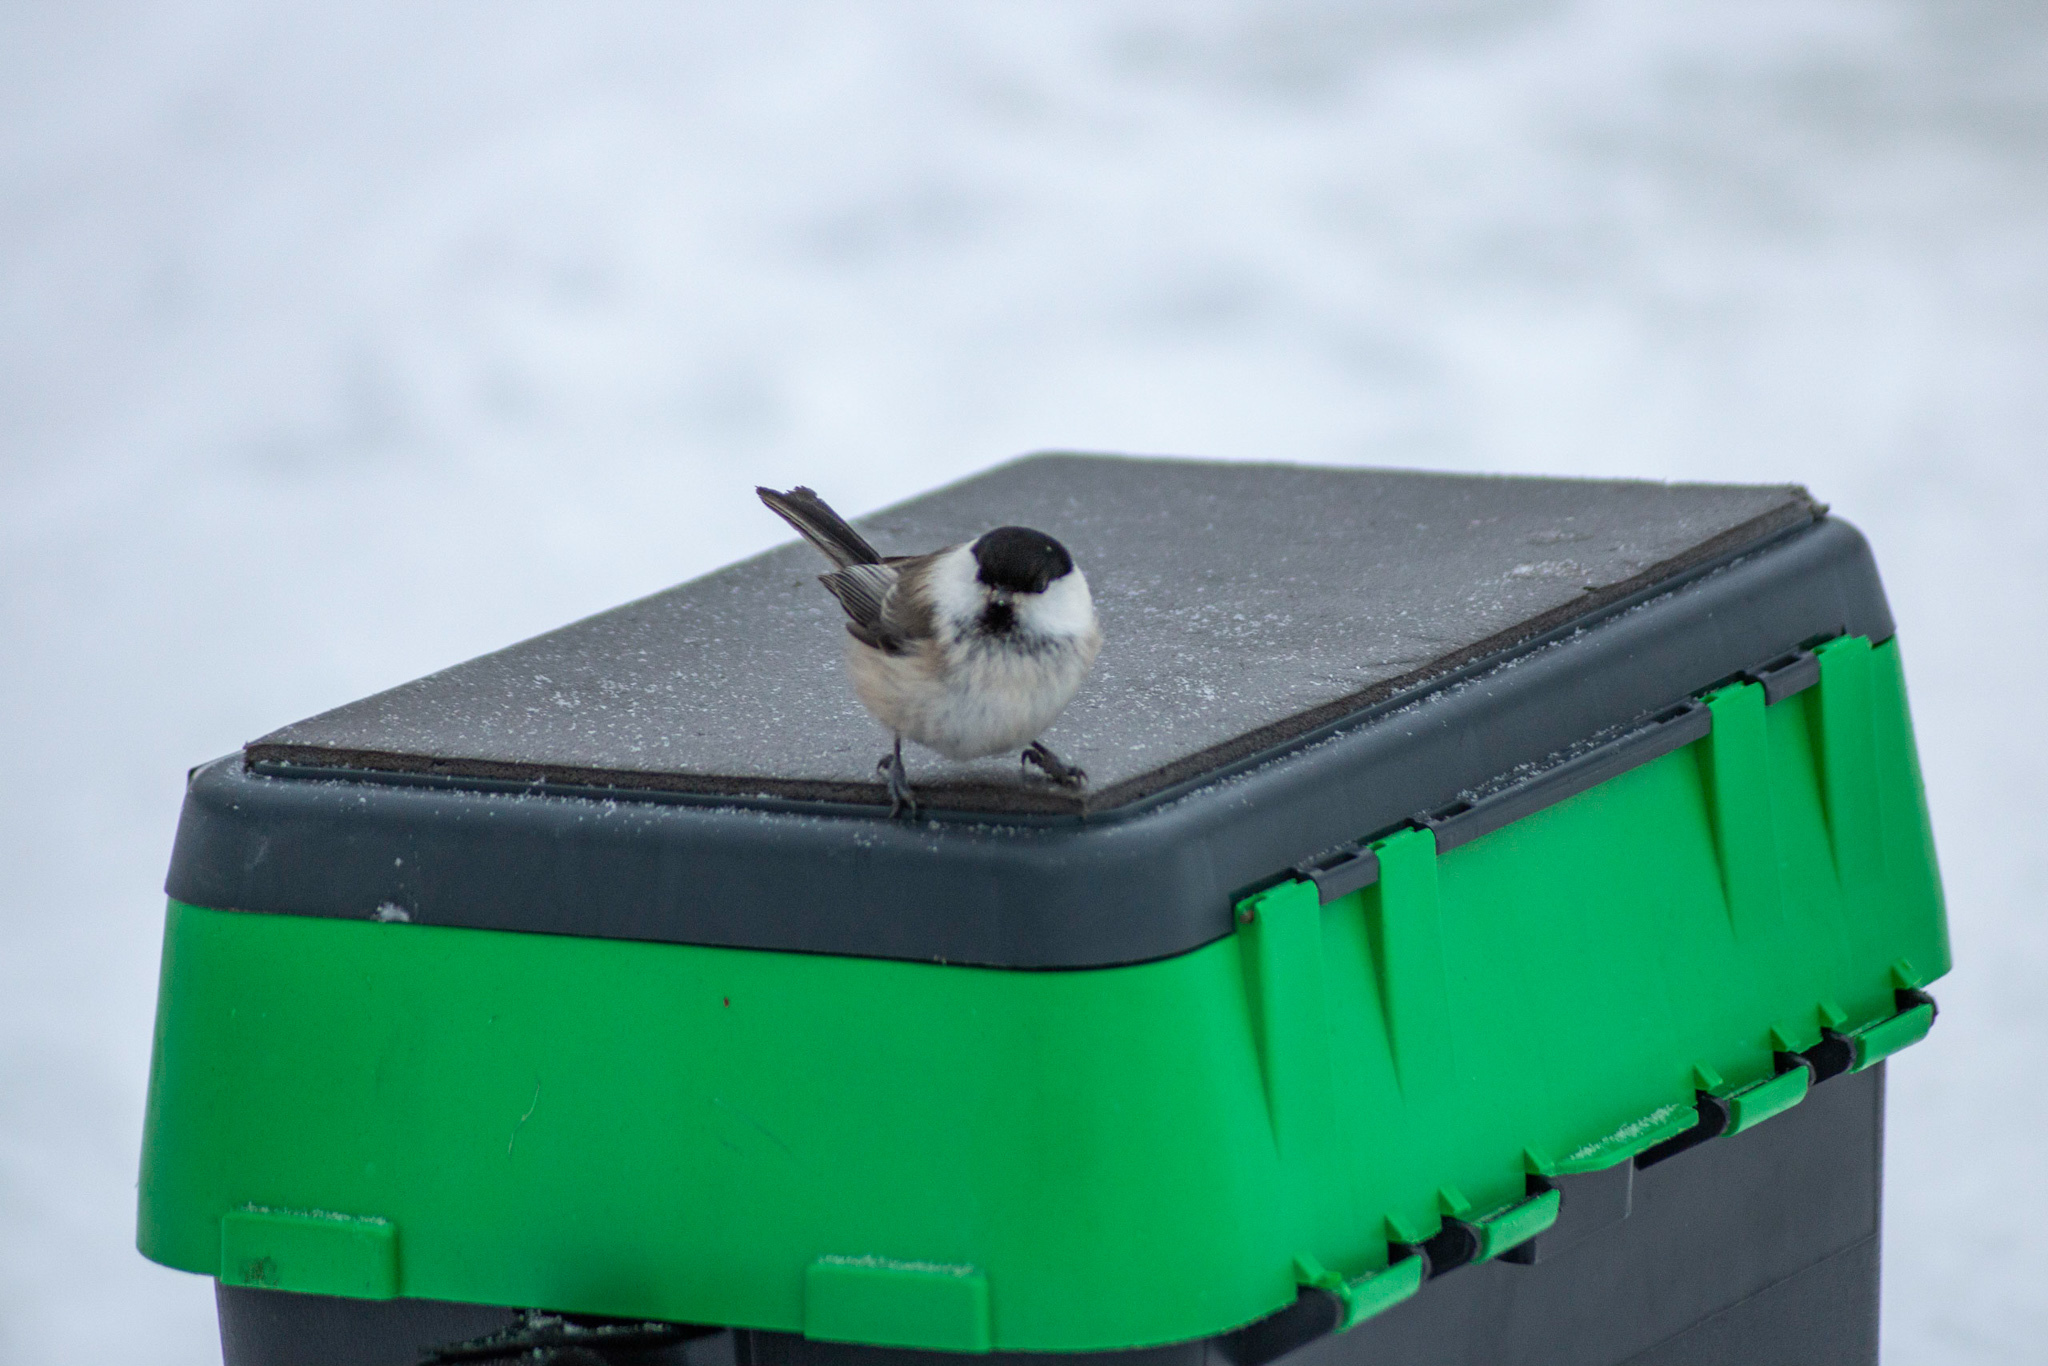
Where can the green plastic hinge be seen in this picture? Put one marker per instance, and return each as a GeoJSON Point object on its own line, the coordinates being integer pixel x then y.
{"type": "Point", "coordinates": [1759, 1101]}
{"type": "Point", "coordinates": [1517, 1223]}
{"type": "Point", "coordinates": [1874, 1043]}
{"type": "Point", "coordinates": [1360, 1297]}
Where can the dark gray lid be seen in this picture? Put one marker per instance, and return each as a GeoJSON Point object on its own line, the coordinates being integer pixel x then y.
{"type": "Point", "coordinates": [1242, 606]}
{"type": "Point", "coordinates": [1297, 659]}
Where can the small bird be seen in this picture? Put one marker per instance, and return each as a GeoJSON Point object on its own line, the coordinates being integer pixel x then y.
{"type": "Point", "coordinates": [970, 650]}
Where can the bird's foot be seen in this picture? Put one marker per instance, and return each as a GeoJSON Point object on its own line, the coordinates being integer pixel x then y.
{"type": "Point", "coordinates": [542, 1339]}
{"type": "Point", "coordinates": [901, 802]}
{"type": "Point", "coordinates": [1055, 768]}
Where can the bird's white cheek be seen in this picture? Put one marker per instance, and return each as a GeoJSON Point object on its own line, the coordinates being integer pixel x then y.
{"type": "Point", "coordinates": [955, 595]}
{"type": "Point", "coordinates": [1065, 608]}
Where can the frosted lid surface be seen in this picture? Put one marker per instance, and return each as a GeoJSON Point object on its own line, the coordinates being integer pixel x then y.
{"type": "Point", "coordinates": [1241, 605]}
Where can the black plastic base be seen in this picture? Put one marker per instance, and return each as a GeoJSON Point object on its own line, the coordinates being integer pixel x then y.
{"type": "Point", "coordinates": [276, 1328]}
{"type": "Point", "coordinates": [1754, 1250]}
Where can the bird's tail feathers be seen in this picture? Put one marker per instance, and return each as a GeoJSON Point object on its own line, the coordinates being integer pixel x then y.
{"type": "Point", "coordinates": [821, 526]}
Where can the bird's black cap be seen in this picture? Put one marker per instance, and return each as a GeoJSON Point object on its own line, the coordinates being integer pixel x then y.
{"type": "Point", "coordinates": [1020, 559]}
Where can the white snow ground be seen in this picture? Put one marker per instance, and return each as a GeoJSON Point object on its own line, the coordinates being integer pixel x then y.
{"type": "Point", "coordinates": [340, 343]}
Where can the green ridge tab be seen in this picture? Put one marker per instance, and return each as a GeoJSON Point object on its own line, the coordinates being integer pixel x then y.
{"type": "Point", "coordinates": [1847, 751]}
{"type": "Point", "coordinates": [1518, 1223]}
{"type": "Point", "coordinates": [896, 1304]}
{"type": "Point", "coordinates": [1737, 762]}
{"type": "Point", "coordinates": [1753, 1105]}
{"type": "Point", "coordinates": [1886, 1037]}
{"type": "Point", "coordinates": [1361, 1297]}
{"type": "Point", "coordinates": [311, 1251]}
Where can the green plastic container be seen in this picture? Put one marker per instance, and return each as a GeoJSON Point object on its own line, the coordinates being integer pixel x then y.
{"type": "Point", "coordinates": [969, 1157]}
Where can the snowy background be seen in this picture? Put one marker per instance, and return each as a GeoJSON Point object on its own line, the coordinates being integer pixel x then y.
{"type": "Point", "coordinates": [341, 343]}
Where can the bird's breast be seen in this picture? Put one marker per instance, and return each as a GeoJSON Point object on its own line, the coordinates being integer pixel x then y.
{"type": "Point", "coordinates": [973, 697]}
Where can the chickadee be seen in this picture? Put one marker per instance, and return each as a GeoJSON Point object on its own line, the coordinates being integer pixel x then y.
{"type": "Point", "coordinates": [970, 650]}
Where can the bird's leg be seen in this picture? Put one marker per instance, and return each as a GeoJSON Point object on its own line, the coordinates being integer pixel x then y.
{"type": "Point", "coordinates": [1057, 769]}
{"type": "Point", "coordinates": [891, 768]}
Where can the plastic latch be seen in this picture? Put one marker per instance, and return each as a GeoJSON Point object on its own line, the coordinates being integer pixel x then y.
{"type": "Point", "coordinates": [1875, 1043]}
{"type": "Point", "coordinates": [1346, 869]}
{"type": "Point", "coordinates": [1743, 1108]}
{"type": "Point", "coordinates": [1360, 1297]}
{"type": "Point", "coordinates": [1516, 1224]}
{"type": "Point", "coordinates": [1786, 675]}
{"type": "Point", "coordinates": [1759, 1101]}
{"type": "Point", "coordinates": [1832, 1056]}
{"type": "Point", "coordinates": [1462, 1242]}
{"type": "Point", "coordinates": [1456, 1244]}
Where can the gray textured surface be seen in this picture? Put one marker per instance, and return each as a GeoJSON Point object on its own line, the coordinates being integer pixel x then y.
{"type": "Point", "coordinates": [1241, 605]}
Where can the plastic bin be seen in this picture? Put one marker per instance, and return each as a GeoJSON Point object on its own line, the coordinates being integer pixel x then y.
{"type": "Point", "coordinates": [1461, 855]}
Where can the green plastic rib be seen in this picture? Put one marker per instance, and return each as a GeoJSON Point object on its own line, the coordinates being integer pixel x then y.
{"type": "Point", "coordinates": [1886, 1037]}
{"type": "Point", "coordinates": [1754, 1104]}
{"type": "Point", "coordinates": [972, 1159]}
{"type": "Point", "coordinates": [1360, 1297]}
{"type": "Point", "coordinates": [1518, 1223]}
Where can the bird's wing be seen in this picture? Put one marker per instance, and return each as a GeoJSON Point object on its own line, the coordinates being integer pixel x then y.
{"type": "Point", "coordinates": [886, 604]}
{"type": "Point", "coordinates": [907, 614]}
{"type": "Point", "coordinates": [862, 589]}
{"type": "Point", "coordinates": [821, 526]}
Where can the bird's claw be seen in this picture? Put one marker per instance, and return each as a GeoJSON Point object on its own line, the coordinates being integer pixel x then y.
{"type": "Point", "coordinates": [890, 766]}
{"type": "Point", "coordinates": [1054, 767]}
